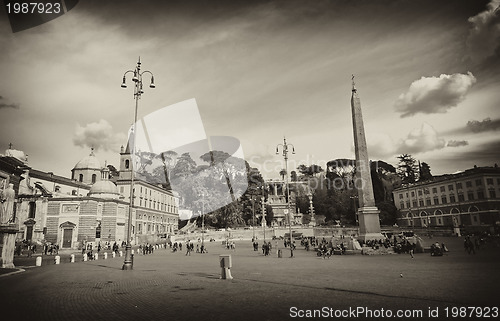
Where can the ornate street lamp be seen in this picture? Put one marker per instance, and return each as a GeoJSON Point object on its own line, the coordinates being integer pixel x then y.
{"type": "Point", "coordinates": [285, 147]}
{"type": "Point", "coordinates": [138, 91]}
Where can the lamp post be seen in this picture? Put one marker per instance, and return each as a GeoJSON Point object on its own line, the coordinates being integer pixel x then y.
{"type": "Point", "coordinates": [202, 221]}
{"type": "Point", "coordinates": [285, 147]}
{"type": "Point", "coordinates": [253, 215]}
{"type": "Point", "coordinates": [138, 91]}
{"type": "Point", "coordinates": [264, 216]}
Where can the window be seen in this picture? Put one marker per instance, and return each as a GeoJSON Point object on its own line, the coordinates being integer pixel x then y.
{"type": "Point", "coordinates": [492, 193]}
{"type": "Point", "coordinates": [400, 196]}
{"type": "Point", "coordinates": [426, 191]}
{"type": "Point", "coordinates": [468, 184]}
{"type": "Point", "coordinates": [452, 199]}
{"type": "Point", "coordinates": [414, 203]}
{"type": "Point", "coordinates": [470, 196]}
{"type": "Point", "coordinates": [442, 189]}
{"type": "Point", "coordinates": [421, 202]}
{"type": "Point", "coordinates": [32, 210]}
{"type": "Point", "coordinates": [480, 194]}
{"type": "Point", "coordinates": [94, 177]}
{"type": "Point", "coordinates": [489, 181]}
{"type": "Point", "coordinates": [444, 200]}
{"type": "Point", "coordinates": [459, 185]}
{"type": "Point", "coordinates": [428, 202]}
{"type": "Point", "coordinates": [127, 164]}
{"type": "Point", "coordinates": [419, 192]}
{"type": "Point", "coordinates": [450, 187]}
{"type": "Point", "coordinates": [80, 177]}
{"type": "Point", "coordinates": [434, 190]}
{"type": "Point", "coordinates": [461, 198]}
{"type": "Point", "coordinates": [479, 182]}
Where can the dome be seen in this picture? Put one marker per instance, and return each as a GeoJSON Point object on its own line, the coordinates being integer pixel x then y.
{"type": "Point", "coordinates": [89, 162]}
{"type": "Point", "coordinates": [105, 189]}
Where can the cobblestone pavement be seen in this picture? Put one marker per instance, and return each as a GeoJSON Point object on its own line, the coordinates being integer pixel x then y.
{"type": "Point", "coordinates": [173, 286]}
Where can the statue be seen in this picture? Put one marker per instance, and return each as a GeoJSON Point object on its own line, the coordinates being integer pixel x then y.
{"type": "Point", "coordinates": [7, 208]}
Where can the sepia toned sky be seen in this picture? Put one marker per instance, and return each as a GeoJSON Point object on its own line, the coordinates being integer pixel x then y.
{"type": "Point", "coordinates": [426, 73]}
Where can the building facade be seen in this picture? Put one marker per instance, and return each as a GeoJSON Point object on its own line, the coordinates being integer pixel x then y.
{"type": "Point", "coordinates": [277, 199]}
{"type": "Point", "coordinates": [89, 208]}
{"type": "Point", "coordinates": [469, 199]}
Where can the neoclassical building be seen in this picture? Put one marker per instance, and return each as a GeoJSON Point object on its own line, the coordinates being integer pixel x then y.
{"type": "Point", "coordinates": [91, 208]}
{"type": "Point", "coordinates": [469, 199]}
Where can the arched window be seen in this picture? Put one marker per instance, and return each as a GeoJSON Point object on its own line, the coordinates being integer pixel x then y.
{"type": "Point", "coordinates": [94, 177]}
{"type": "Point", "coordinates": [127, 163]}
{"type": "Point", "coordinates": [80, 178]}
{"type": "Point", "coordinates": [438, 212]}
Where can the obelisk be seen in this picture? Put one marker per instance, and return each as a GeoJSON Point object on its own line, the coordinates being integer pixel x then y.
{"type": "Point", "coordinates": [368, 213]}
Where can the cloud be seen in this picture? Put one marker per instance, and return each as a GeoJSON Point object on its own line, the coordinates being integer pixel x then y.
{"type": "Point", "coordinates": [98, 135]}
{"type": "Point", "coordinates": [380, 145]}
{"type": "Point", "coordinates": [430, 95]}
{"type": "Point", "coordinates": [482, 126]}
{"type": "Point", "coordinates": [484, 36]}
{"type": "Point", "coordinates": [421, 140]}
{"type": "Point", "coordinates": [457, 143]}
{"type": "Point", "coordinates": [5, 105]}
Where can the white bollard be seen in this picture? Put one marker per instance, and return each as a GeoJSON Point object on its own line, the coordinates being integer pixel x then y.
{"type": "Point", "coordinates": [121, 253]}
{"type": "Point", "coordinates": [72, 258]}
{"type": "Point", "coordinates": [57, 259]}
{"type": "Point", "coordinates": [105, 255]}
{"type": "Point", "coordinates": [113, 254]}
{"type": "Point", "coordinates": [132, 251]}
{"type": "Point", "coordinates": [85, 258]}
{"type": "Point", "coordinates": [96, 256]}
{"type": "Point", "coordinates": [39, 261]}
{"type": "Point", "coordinates": [225, 264]}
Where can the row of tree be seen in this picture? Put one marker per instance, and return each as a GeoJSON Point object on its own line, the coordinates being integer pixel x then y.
{"type": "Point", "coordinates": [230, 193]}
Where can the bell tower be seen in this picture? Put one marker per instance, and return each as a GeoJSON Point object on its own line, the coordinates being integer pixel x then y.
{"type": "Point", "coordinates": [126, 161]}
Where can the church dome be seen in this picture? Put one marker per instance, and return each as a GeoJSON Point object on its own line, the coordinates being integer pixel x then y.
{"type": "Point", "coordinates": [89, 162]}
{"type": "Point", "coordinates": [104, 189]}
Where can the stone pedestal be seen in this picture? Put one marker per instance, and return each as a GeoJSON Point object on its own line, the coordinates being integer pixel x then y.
{"type": "Point", "coordinates": [369, 224]}
{"type": "Point", "coordinates": [8, 244]}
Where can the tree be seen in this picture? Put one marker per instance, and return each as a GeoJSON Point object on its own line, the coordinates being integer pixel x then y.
{"type": "Point", "coordinates": [309, 171]}
{"type": "Point", "coordinates": [113, 172]}
{"type": "Point", "coordinates": [293, 176]}
{"type": "Point", "coordinates": [425, 172]}
{"type": "Point", "coordinates": [184, 167]}
{"type": "Point", "coordinates": [407, 169]}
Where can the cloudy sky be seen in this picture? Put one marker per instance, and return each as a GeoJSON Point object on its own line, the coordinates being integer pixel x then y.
{"type": "Point", "coordinates": [426, 73]}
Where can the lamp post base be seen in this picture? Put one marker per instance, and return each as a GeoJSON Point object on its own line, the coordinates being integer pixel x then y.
{"type": "Point", "coordinates": [128, 264]}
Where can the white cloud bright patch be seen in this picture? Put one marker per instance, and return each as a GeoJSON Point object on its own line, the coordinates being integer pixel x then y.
{"type": "Point", "coordinates": [421, 140]}
{"type": "Point", "coordinates": [430, 95]}
{"type": "Point", "coordinates": [484, 35]}
{"type": "Point", "coordinates": [98, 135]}
{"type": "Point", "coordinates": [380, 145]}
